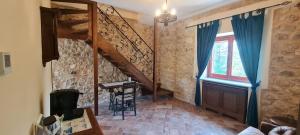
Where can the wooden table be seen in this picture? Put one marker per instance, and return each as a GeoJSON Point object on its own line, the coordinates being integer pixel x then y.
{"type": "Point", "coordinates": [113, 85]}
{"type": "Point", "coordinates": [95, 130]}
{"type": "Point", "coordinates": [110, 87]}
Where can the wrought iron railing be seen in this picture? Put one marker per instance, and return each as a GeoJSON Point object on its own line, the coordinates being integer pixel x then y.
{"type": "Point", "coordinates": [125, 39]}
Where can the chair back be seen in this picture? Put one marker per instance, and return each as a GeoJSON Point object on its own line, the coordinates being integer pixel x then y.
{"type": "Point", "coordinates": [129, 86]}
{"type": "Point", "coordinates": [128, 98]}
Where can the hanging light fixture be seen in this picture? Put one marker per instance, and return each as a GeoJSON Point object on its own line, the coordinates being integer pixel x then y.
{"type": "Point", "coordinates": [165, 16]}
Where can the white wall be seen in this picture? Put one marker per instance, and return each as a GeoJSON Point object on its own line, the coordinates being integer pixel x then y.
{"type": "Point", "coordinates": [21, 98]}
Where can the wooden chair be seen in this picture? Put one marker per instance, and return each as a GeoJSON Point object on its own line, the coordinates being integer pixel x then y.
{"type": "Point", "coordinates": [125, 100]}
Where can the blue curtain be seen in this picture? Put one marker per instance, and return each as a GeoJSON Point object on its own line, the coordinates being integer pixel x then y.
{"type": "Point", "coordinates": [206, 35]}
{"type": "Point", "coordinates": [248, 33]}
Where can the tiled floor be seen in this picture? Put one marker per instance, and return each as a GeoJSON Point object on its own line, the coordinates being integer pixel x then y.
{"type": "Point", "coordinates": [167, 117]}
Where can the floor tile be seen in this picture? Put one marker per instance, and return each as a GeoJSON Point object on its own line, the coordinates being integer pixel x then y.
{"type": "Point", "coordinates": [167, 117]}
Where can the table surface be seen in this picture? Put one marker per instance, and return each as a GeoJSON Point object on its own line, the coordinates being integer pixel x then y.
{"type": "Point", "coordinates": [95, 130]}
{"type": "Point", "coordinates": [113, 84]}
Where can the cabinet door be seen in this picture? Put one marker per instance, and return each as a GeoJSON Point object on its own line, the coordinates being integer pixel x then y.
{"type": "Point", "coordinates": [225, 99]}
{"type": "Point", "coordinates": [230, 102]}
{"type": "Point", "coordinates": [234, 102]}
{"type": "Point", "coordinates": [49, 35]}
{"type": "Point", "coordinates": [212, 96]}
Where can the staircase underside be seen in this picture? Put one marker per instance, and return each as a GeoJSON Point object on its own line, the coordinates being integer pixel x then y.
{"type": "Point", "coordinates": [111, 54]}
{"type": "Point", "coordinates": [65, 30]}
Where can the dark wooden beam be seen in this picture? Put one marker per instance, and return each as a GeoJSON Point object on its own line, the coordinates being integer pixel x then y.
{"type": "Point", "coordinates": [71, 11]}
{"type": "Point", "coordinates": [73, 36]}
{"type": "Point", "coordinates": [90, 23]}
{"type": "Point", "coordinates": [94, 28]}
{"type": "Point", "coordinates": [66, 32]}
{"type": "Point", "coordinates": [82, 32]}
{"type": "Point", "coordinates": [70, 23]}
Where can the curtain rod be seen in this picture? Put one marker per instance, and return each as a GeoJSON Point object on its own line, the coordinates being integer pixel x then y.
{"type": "Point", "coordinates": [281, 4]}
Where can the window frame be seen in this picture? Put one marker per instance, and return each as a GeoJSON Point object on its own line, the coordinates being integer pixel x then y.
{"type": "Point", "coordinates": [228, 76]}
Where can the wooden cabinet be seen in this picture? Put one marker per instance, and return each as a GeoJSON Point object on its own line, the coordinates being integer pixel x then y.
{"type": "Point", "coordinates": [225, 99]}
{"type": "Point", "coordinates": [49, 35]}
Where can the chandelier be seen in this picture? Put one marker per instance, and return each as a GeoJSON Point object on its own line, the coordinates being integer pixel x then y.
{"type": "Point", "coordinates": [164, 15]}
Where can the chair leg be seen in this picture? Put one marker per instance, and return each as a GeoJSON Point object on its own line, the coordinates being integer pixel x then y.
{"type": "Point", "coordinates": [134, 107]}
{"type": "Point", "coordinates": [123, 113]}
{"type": "Point", "coordinates": [123, 108]}
{"type": "Point", "coordinates": [110, 102]}
{"type": "Point", "coordinates": [134, 101]}
{"type": "Point", "coordinates": [115, 107]}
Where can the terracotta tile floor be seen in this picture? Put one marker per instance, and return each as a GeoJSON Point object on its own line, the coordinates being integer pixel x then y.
{"type": "Point", "coordinates": [167, 117]}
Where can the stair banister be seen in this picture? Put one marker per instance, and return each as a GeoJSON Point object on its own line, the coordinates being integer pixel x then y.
{"type": "Point", "coordinates": [132, 43]}
{"type": "Point", "coordinates": [131, 27]}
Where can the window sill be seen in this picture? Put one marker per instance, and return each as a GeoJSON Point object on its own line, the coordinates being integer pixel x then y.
{"type": "Point", "coordinates": [228, 82]}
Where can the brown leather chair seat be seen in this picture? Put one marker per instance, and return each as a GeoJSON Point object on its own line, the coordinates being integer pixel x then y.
{"type": "Point", "coordinates": [283, 130]}
{"type": "Point", "coordinates": [270, 123]}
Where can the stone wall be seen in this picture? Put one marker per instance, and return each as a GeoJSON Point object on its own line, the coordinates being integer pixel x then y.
{"type": "Point", "coordinates": [129, 44]}
{"type": "Point", "coordinates": [74, 69]}
{"type": "Point", "coordinates": [147, 33]}
{"type": "Point", "coordinates": [283, 95]}
{"type": "Point", "coordinates": [177, 60]}
{"type": "Point", "coordinates": [177, 54]}
{"type": "Point", "coordinates": [144, 30]}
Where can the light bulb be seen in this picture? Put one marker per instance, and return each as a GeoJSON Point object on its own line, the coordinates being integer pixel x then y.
{"type": "Point", "coordinates": [157, 12]}
{"type": "Point", "coordinates": [165, 7]}
{"type": "Point", "coordinates": [173, 12]}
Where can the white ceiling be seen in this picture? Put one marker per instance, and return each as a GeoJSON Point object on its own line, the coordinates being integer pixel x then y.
{"type": "Point", "coordinates": [184, 8]}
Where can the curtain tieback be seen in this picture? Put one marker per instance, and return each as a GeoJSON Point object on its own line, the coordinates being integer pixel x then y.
{"type": "Point", "coordinates": [255, 85]}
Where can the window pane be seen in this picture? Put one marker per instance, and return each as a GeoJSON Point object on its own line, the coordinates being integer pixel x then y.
{"type": "Point", "coordinates": [237, 66]}
{"type": "Point", "coordinates": [219, 57]}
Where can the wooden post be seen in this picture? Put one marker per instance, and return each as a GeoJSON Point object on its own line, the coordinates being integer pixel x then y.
{"type": "Point", "coordinates": [90, 23]}
{"type": "Point", "coordinates": [155, 79]}
{"type": "Point", "coordinates": [93, 31]}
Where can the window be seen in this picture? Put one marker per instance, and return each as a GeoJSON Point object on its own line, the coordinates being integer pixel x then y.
{"type": "Point", "coordinates": [225, 62]}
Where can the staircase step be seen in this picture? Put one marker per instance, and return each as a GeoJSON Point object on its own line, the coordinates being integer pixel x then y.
{"type": "Point", "coordinates": [113, 62]}
{"type": "Point", "coordinates": [127, 73]}
{"type": "Point", "coordinates": [105, 54]}
{"type": "Point", "coordinates": [118, 65]}
{"type": "Point", "coordinates": [121, 67]}
{"type": "Point", "coordinates": [65, 32]}
{"type": "Point", "coordinates": [165, 92]}
{"type": "Point", "coordinates": [71, 22]}
{"type": "Point", "coordinates": [83, 31]}
{"type": "Point", "coordinates": [145, 91]}
{"type": "Point", "coordinates": [71, 11]}
{"type": "Point", "coordinates": [88, 41]}
{"type": "Point", "coordinates": [122, 63]}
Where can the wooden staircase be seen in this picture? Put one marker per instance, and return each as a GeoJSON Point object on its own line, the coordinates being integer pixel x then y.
{"type": "Point", "coordinates": [66, 29]}
{"type": "Point", "coordinates": [117, 59]}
